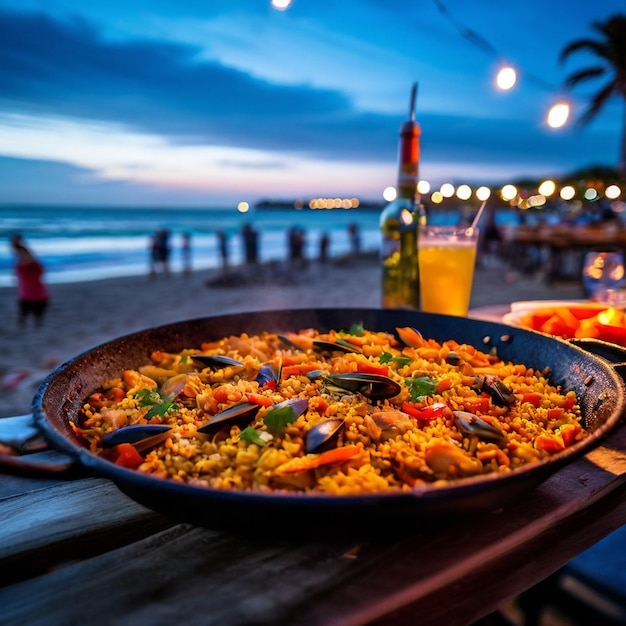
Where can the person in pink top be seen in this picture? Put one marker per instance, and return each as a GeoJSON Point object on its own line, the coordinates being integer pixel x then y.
{"type": "Point", "coordinates": [31, 290]}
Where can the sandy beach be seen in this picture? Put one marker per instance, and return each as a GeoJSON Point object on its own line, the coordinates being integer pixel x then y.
{"type": "Point", "coordinates": [83, 315]}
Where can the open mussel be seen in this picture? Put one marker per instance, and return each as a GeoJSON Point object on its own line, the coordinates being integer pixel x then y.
{"type": "Point", "coordinates": [323, 435]}
{"type": "Point", "coordinates": [240, 415]}
{"type": "Point", "coordinates": [328, 347]}
{"type": "Point", "coordinates": [320, 346]}
{"type": "Point", "coordinates": [473, 426]}
{"type": "Point", "coordinates": [269, 373]}
{"type": "Point", "coordinates": [216, 361]}
{"type": "Point", "coordinates": [372, 386]}
{"type": "Point", "coordinates": [141, 436]}
{"type": "Point", "coordinates": [500, 394]}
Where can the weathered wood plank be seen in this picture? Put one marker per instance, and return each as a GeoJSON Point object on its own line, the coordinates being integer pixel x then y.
{"type": "Point", "coordinates": [131, 571]}
{"type": "Point", "coordinates": [65, 522]}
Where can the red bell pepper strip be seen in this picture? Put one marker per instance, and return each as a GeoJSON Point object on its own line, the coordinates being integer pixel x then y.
{"type": "Point", "coordinates": [127, 456]}
{"type": "Point", "coordinates": [424, 413]}
{"type": "Point", "coordinates": [364, 367]}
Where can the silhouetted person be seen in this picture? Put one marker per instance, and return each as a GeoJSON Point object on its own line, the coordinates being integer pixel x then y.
{"type": "Point", "coordinates": [297, 242]}
{"type": "Point", "coordinates": [223, 247]}
{"type": "Point", "coordinates": [185, 252]}
{"type": "Point", "coordinates": [159, 252]}
{"type": "Point", "coordinates": [32, 293]}
{"type": "Point", "coordinates": [355, 238]}
{"type": "Point", "coordinates": [251, 244]}
{"type": "Point", "coordinates": [324, 247]}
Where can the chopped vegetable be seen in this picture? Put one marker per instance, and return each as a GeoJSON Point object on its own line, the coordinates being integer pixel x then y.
{"type": "Point", "coordinates": [250, 435]}
{"type": "Point", "coordinates": [387, 357]}
{"type": "Point", "coordinates": [420, 387]}
{"type": "Point", "coordinates": [277, 418]}
{"type": "Point", "coordinates": [424, 413]}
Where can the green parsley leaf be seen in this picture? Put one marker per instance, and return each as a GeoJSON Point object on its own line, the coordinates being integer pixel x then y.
{"type": "Point", "coordinates": [250, 435]}
{"type": "Point", "coordinates": [387, 357]}
{"type": "Point", "coordinates": [420, 386]}
{"type": "Point", "coordinates": [146, 397]}
{"type": "Point", "coordinates": [277, 418]}
{"type": "Point", "coordinates": [160, 409]}
{"type": "Point", "coordinates": [356, 329]}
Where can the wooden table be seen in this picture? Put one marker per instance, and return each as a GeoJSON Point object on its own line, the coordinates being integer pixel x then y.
{"type": "Point", "coordinates": [74, 549]}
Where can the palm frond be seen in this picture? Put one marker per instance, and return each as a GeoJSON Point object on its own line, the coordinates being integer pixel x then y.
{"type": "Point", "coordinates": [591, 45]}
{"type": "Point", "coordinates": [597, 102]}
{"type": "Point", "coordinates": [584, 75]}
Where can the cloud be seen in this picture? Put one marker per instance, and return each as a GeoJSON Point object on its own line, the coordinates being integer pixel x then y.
{"type": "Point", "coordinates": [68, 69]}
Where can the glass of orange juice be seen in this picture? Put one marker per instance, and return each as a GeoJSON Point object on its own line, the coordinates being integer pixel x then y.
{"type": "Point", "coordinates": [446, 257]}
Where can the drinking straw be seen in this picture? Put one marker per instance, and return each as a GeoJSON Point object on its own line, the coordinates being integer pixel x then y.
{"type": "Point", "coordinates": [477, 216]}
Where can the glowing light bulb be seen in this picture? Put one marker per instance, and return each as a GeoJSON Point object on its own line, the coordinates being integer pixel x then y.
{"type": "Point", "coordinates": [558, 114]}
{"type": "Point", "coordinates": [447, 190]}
{"type": "Point", "coordinates": [281, 5]}
{"type": "Point", "coordinates": [483, 193]}
{"type": "Point", "coordinates": [508, 192]}
{"type": "Point", "coordinates": [568, 192]}
{"type": "Point", "coordinates": [243, 207]}
{"type": "Point", "coordinates": [547, 188]}
{"type": "Point", "coordinates": [612, 192]}
{"type": "Point", "coordinates": [464, 192]}
{"type": "Point", "coordinates": [423, 186]}
{"type": "Point", "coordinates": [506, 78]}
{"type": "Point", "coordinates": [390, 194]}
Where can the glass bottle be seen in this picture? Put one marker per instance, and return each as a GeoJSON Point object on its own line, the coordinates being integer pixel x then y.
{"type": "Point", "coordinates": [399, 222]}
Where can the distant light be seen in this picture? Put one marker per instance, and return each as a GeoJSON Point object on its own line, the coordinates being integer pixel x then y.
{"type": "Point", "coordinates": [508, 192]}
{"type": "Point", "coordinates": [590, 194]}
{"type": "Point", "coordinates": [568, 192]}
{"type": "Point", "coordinates": [423, 186]}
{"type": "Point", "coordinates": [243, 207]}
{"type": "Point", "coordinates": [547, 188]}
{"type": "Point", "coordinates": [537, 201]}
{"type": "Point", "coordinates": [464, 192]}
{"type": "Point", "coordinates": [558, 115]}
{"type": "Point", "coordinates": [447, 190]}
{"type": "Point", "coordinates": [483, 193]}
{"type": "Point", "coordinates": [281, 5]}
{"type": "Point", "coordinates": [506, 78]}
{"type": "Point", "coordinates": [354, 202]}
{"type": "Point", "coordinates": [390, 194]}
{"type": "Point", "coordinates": [612, 192]}
{"type": "Point", "coordinates": [437, 198]}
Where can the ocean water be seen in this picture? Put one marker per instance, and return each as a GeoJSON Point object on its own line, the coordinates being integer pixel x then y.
{"type": "Point", "coordinates": [87, 243]}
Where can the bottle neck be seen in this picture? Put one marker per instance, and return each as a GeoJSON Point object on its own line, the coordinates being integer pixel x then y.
{"type": "Point", "coordinates": [408, 160]}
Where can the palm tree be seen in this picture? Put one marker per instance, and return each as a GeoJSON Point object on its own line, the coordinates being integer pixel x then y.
{"type": "Point", "coordinates": [610, 49]}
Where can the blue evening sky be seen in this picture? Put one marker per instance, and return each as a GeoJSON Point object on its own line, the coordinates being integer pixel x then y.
{"type": "Point", "coordinates": [209, 102]}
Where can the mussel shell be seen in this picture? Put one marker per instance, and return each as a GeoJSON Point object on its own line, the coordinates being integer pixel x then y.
{"type": "Point", "coordinates": [240, 414]}
{"type": "Point", "coordinates": [287, 343]}
{"type": "Point", "coordinates": [142, 436]}
{"type": "Point", "coordinates": [299, 406]}
{"type": "Point", "coordinates": [473, 426]}
{"type": "Point", "coordinates": [216, 361]}
{"type": "Point", "coordinates": [323, 435]}
{"type": "Point", "coordinates": [328, 347]}
{"type": "Point", "coordinates": [500, 394]}
{"type": "Point", "coordinates": [372, 386]}
{"type": "Point", "coordinates": [269, 372]}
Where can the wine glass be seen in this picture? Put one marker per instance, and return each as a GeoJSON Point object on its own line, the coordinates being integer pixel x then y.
{"type": "Point", "coordinates": [603, 274]}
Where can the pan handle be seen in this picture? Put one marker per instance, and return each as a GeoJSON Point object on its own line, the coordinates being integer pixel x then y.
{"type": "Point", "coordinates": [20, 440]}
{"type": "Point", "coordinates": [611, 352]}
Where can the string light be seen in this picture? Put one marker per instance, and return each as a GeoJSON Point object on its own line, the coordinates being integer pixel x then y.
{"type": "Point", "coordinates": [281, 5]}
{"type": "Point", "coordinates": [558, 114]}
{"type": "Point", "coordinates": [506, 77]}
